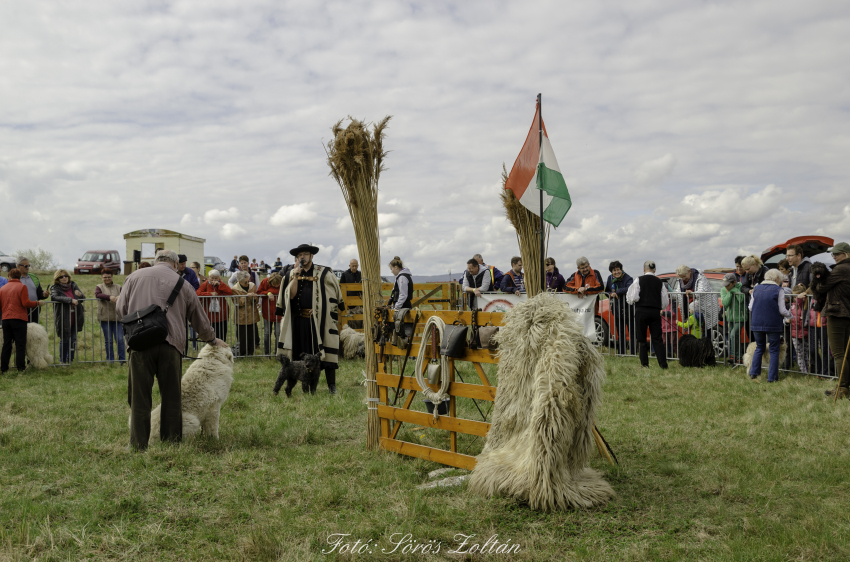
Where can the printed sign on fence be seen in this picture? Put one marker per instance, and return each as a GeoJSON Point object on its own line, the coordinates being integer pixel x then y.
{"type": "Point", "coordinates": [583, 307]}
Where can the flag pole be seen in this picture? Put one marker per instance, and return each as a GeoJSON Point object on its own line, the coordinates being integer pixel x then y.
{"type": "Point", "coordinates": [540, 145]}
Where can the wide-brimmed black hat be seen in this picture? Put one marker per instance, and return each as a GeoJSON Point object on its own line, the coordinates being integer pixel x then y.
{"type": "Point", "coordinates": [304, 248]}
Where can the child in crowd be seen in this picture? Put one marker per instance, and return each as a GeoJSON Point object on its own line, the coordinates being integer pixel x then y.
{"type": "Point", "coordinates": [668, 329]}
{"type": "Point", "coordinates": [799, 333]}
{"type": "Point", "coordinates": [692, 326]}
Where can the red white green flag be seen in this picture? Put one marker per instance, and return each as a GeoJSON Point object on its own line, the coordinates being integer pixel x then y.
{"type": "Point", "coordinates": [535, 169]}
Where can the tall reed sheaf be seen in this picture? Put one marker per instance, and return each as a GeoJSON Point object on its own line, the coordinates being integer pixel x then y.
{"type": "Point", "coordinates": [527, 226]}
{"type": "Point", "coordinates": [356, 159]}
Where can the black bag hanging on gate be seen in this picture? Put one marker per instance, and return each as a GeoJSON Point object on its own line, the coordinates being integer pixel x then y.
{"type": "Point", "coordinates": [454, 340]}
{"type": "Point", "coordinates": [148, 327]}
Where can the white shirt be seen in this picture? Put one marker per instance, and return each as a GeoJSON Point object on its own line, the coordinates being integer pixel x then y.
{"type": "Point", "coordinates": [633, 294]}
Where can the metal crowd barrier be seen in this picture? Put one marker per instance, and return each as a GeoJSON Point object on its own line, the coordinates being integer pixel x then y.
{"type": "Point", "coordinates": [240, 324]}
{"type": "Point", "coordinates": [702, 315]}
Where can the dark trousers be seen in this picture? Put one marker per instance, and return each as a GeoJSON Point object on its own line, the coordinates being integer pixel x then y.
{"type": "Point", "coordinates": [772, 339]}
{"type": "Point", "coordinates": [165, 363]}
{"type": "Point", "coordinates": [14, 331]}
{"type": "Point", "coordinates": [650, 318]}
{"type": "Point", "coordinates": [33, 314]}
{"type": "Point", "coordinates": [330, 376]}
{"type": "Point", "coordinates": [247, 335]}
{"type": "Point", "coordinates": [838, 329]}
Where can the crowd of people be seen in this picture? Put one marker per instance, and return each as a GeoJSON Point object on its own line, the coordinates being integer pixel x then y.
{"type": "Point", "coordinates": [806, 307]}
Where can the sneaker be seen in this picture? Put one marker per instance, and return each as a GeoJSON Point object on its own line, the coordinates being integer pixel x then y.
{"type": "Point", "coordinates": [755, 379]}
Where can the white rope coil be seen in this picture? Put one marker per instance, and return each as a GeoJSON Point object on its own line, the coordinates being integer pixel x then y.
{"type": "Point", "coordinates": [436, 398]}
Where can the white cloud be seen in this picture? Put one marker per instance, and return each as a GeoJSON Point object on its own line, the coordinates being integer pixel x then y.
{"type": "Point", "coordinates": [232, 231]}
{"type": "Point", "coordinates": [300, 214]}
{"type": "Point", "coordinates": [215, 216]}
{"type": "Point", "coordinates": [653, 172]}
{"type": "Point", "coordinates": [729, 206]}
{"type": "Point", "coordinates": [195, 108]}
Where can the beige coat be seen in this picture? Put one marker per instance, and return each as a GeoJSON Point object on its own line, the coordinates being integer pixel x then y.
{"type": "Point", "coordinates": [247, 311]}
{"type": "Point", "coordinates": [106, 309]}
{"type": "Point", "coordinates": [328, 299]}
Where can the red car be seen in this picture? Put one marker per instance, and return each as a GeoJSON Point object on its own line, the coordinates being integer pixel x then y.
{"type": "Point", "coordinates": [98, 261]}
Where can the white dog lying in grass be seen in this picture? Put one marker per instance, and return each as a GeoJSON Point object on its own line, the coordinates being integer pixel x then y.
{"type": "Point", "coordinates": [37, 346]}
{"type": "Point", "coordinates": [205, 387]}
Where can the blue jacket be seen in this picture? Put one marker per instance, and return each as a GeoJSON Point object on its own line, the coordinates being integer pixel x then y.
{"type": "Point", "coordinates": [765, 315]}
{"type": "Point", "coordinates": [620, 287]}
{"type": "Point", "coordinates": [508, 285]}
{"type": "Point", "coordinates": [191, 277]}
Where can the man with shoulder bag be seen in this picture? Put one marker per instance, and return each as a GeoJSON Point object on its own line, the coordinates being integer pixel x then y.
{"type": "Point", "coordinates": [154, 307]}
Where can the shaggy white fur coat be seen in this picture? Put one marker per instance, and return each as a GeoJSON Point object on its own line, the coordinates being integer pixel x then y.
{"type": "Point", "coordinates": [550, 379]}
{"type": "Point", "coordinates": [351, 340]}
{"type": "Point", "coordinates": [38, 347]}
{"type": "Point", "coordinates": [765, 359]}
{"type": "Point", "coordinates": [205, 387]}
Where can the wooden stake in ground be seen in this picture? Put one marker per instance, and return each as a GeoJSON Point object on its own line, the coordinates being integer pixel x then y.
{"type": "Point", "coordinates": [356, 159]}
{"type": "Point", "coordinates": [527, 226]}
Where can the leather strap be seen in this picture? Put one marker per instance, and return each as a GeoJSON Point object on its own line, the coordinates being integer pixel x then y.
{"type": "Point", "coordinates": [174, 294]}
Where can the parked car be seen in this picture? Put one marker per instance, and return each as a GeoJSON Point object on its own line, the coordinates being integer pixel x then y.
{"type": "Point", "coordinates": [812, 246]}
{"type": "Point", "coordinates": [7, 262]}
{"type": "Point", "coordinates": [98, 261]}
{"type": "Point", "coordinates": [214, 262]}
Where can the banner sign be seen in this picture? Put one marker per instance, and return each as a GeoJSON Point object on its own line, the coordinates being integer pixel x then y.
{"type": "Point", "coordinates": [583, 307]}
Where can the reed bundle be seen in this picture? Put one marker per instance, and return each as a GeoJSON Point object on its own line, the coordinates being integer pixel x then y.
{"type": "Point", "coordinates": [356, 159]}
{"type": "Point", "coordinates": [527, 226]}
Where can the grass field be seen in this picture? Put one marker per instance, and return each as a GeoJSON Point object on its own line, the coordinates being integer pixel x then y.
{"type": "Point", "coordinates": [713, 467]}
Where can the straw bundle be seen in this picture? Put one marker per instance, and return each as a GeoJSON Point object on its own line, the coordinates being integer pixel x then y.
{"type": "Point", "coordinates": [356, 159]}
{"type": "Point", "coordinates": [527, 226]}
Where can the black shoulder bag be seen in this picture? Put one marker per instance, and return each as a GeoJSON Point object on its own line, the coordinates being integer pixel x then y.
{"type": "Point", "coordinates": [148, 327]}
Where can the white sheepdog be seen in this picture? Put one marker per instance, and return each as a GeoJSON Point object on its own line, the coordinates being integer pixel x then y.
{"type": "Point", "coordinates": [765, 359]}
{"type": "Point", "coordinates": [353, 343]}
{"type": "Point", "coordinates": [550, 387]}
{"type": "Point", "coordinates": [205, 387]}
{"type": "Point", "coordinates": [37, 346]}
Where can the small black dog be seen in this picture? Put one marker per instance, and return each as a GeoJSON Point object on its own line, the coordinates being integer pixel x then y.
{"type": "Point", "coordinates": [695, 352]}
{"type": "Point", "coordinates": [307, 371]}
{"type": "Point", "coordinates": [820, 275]}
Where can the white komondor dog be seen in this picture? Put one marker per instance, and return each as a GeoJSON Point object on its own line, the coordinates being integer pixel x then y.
{"type": "Point", "coordinates": [205, 387]}
{"type": "Point", "coordinates": [38, 347]}
{"type": "Point", "coordinates": [550, 378]}
{"type": "Point", "coordinates": [765, 359]}
{"type": "Point", "coordinates": [353, 343]}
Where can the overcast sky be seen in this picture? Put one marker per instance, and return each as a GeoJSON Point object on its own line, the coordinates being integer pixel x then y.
{"type": "Point", "coordinates": [689, 132]}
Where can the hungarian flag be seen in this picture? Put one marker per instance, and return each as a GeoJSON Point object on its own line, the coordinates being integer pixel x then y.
{"type": "Point", "coordinates": [537, 169]}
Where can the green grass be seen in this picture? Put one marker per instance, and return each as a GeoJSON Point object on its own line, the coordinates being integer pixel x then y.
{"type": "Point", "coordinates": [713, 467]}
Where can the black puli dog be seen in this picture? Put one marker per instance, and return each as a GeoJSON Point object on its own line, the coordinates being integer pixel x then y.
{"type": "Point", "coordinates": [307, 371]}
{"type": "Point", "coordinates": [695, 352]}
{"type": "Point", "coordinates": [820, 274]}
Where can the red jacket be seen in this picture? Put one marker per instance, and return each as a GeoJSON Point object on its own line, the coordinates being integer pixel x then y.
{"type": "Point", "coordinates": [268, 305]}
{"type": "Point", "coordinates": [15, 300]}
{"type": "Point", "coordinates": [206, 290]}
{"type": "Point", "coordinates": [593, 282]}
